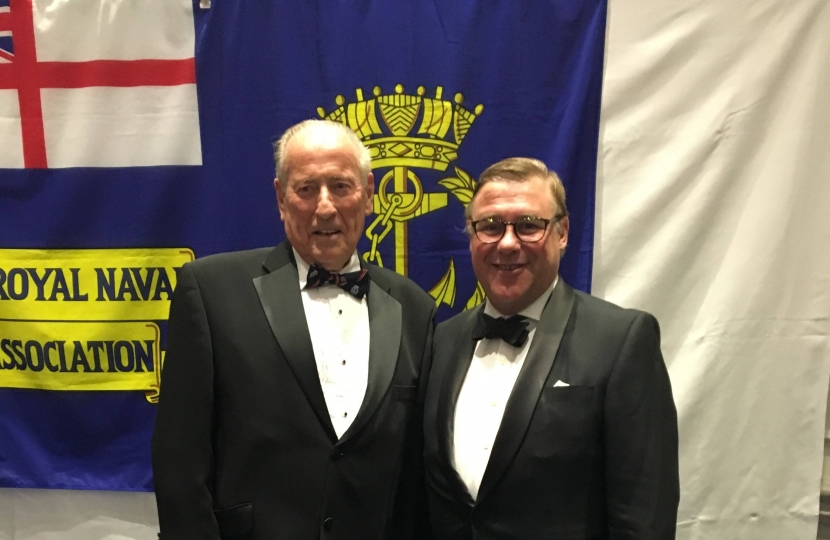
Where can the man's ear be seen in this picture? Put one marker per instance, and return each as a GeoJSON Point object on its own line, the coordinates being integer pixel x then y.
{"type": "Point", "coordinates": [370, 193]}
{"type": "Point", "coordinates": [471, 235]}
{"type": "Point", "coordinates": [280, 198]}
{"type": "Point", "coordinates": [563, 226]}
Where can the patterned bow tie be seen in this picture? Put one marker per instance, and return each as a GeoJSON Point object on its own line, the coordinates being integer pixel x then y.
{"type": "Point", "coordinates": [513, 330]}
{"type": "Point", "coordinates": [354, 283]}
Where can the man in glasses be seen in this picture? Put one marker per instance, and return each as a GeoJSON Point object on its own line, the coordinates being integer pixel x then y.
{"type": "Point", "coordinates": [549, 413]}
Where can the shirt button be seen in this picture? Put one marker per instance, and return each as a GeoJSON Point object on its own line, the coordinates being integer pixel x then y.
{"type": "Point", "coordinates": [340, 312]}
{"type": "Point", "coordinates": [336, 454]}
{"type": "Point", "coordinates": [343, 363]}
{"type": "Point", "coordinates": [345, 415]}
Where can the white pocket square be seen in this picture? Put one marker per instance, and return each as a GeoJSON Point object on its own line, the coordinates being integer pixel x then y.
{"type": "Point", "coordinates": [560, 383]}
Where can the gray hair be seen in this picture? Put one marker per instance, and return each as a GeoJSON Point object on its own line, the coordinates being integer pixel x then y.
{"type": "Point", "coordinates": [307, 129]}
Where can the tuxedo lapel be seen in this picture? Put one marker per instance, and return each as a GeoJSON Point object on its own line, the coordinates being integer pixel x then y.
{"type": "Point", "coordinates": [385, 318]}
{"type": "Point", "coordinates": [457, 355]}
{"type": "Point", "coordinates": [279, 293]}
{"type": "Point", "coordinates": [529, 384]}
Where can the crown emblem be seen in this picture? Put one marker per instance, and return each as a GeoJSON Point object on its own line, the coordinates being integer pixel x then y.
{"type": "Point", "coordinates": [404, 132]}
{"type": "Point", "coordinates": [432, 145]}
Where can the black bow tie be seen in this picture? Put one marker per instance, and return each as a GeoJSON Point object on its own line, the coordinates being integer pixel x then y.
{"type": "Point", "coordinates": [513, 330]}
{"type": "Point", "coordinates": [354, 283]}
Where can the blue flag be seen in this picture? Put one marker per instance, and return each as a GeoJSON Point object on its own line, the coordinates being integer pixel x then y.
{"type": "Point", "coordinates": [131, 144]}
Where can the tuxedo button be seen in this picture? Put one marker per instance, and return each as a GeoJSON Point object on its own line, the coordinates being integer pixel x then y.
{"type": "Point", "coordinates": [336, 454]}
{"type": "Point", "coordinates": [328, 523]}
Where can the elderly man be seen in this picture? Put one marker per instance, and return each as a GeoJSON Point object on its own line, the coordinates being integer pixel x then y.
{"type": "Point", "coordinates": [549, 413]}
{"type": "Point", "coordinates": [291, 402]}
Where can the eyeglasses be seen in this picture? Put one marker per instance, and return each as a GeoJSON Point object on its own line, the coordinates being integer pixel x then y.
{"type": "Point", "coordinates": [527, 229]}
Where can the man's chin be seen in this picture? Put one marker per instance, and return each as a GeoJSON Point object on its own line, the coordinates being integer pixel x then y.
{"type": "Point", "coordinates": [507, 296]}
{"type": "Point", "coordinates": [333, 258]}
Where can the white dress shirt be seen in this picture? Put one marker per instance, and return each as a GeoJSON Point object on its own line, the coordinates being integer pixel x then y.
{"type": "Point", "coordinates": [484, 394]}
{"type": "Point", "coordinates": [339, 327]}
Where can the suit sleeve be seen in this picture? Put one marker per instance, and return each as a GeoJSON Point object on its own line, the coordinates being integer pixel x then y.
{"type": "Point", "coordinates": [642, 484]}
{"type": "Point", "coordinates": [181, 447]}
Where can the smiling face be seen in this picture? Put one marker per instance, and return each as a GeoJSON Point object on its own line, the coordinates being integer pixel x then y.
{"type": "Point", "coordinates": [325, 201]}
{"type": "Point", "coordinates": [515, 273]}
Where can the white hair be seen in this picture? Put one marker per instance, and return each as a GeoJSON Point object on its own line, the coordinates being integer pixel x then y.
{"type": "Point", "coordinates": [308, 129]}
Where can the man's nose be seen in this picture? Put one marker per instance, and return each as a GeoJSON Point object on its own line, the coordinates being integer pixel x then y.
{"type": "Point", "coordinates": [325, 203]}
{"type": "Point", "coordinates": [509, 241]}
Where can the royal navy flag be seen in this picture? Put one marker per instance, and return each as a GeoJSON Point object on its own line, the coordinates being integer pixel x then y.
{"type": "Point", "coordinates": [136, 136]}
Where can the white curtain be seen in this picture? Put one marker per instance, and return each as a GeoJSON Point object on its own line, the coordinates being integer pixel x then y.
{"type": "Point", "coordinates": [713, 213]}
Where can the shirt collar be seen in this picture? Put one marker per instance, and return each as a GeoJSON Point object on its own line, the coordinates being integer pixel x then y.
{"type": "Point", "coordinates": [533, 311]}
{"type": "Point", "coordinates": [302, 267]}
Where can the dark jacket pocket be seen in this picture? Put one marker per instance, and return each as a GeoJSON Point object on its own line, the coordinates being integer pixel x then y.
{"type": "Point", "coordinates": [568, 393]}
{"type": "Point", "coordinates": [404, 392]}
{"type": "Point", "coordinates": [566, 425]}
{"type": "Point", "coordinates": [236, 522]}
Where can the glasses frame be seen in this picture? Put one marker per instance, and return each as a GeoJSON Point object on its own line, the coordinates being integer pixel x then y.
{"type": "Point", "coordinates": [547, 222]}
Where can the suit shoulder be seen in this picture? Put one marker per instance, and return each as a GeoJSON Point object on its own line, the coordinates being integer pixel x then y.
{"type": "Point", "coordinates": [452, 326]}
{"type": "Point", "coordinates": [402, 288]}
{"type": "Point", "coordinates": [235, 263]}
{"type": "Point", "coordinates": [608, 313]}
{"type": "Point", "coordinates": [231, 258]}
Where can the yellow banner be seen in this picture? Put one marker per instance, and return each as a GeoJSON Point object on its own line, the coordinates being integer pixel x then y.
{"type": "Point", "coordinates": [133, 284]}
{"type": "Point", "coordinates": [49, 355]}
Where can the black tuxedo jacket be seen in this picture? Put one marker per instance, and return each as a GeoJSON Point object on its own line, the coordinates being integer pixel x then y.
{"type": "Point", "coordinates": [243, 445]}
{"type": "Point", "coordinates": [593, 460]}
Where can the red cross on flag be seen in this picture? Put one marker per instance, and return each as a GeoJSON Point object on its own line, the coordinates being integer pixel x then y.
{"type": "Point", "coordinates": [97, 83]}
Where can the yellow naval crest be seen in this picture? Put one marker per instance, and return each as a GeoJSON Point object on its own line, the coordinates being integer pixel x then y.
{"type": "Point", "coordinates": [387, 126]}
